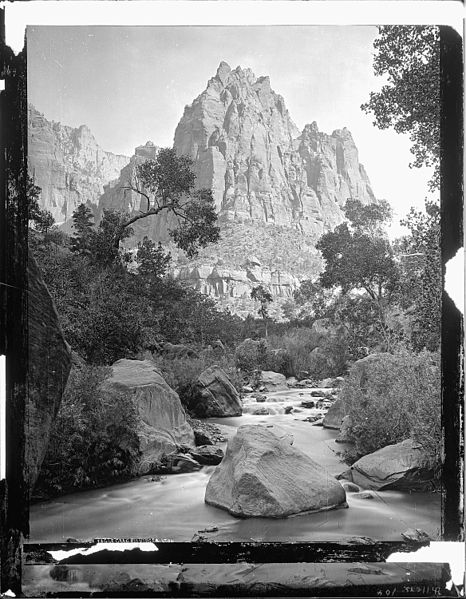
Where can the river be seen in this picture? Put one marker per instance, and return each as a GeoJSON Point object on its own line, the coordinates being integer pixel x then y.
{"type": "Point", "coordinates": [174, 509]}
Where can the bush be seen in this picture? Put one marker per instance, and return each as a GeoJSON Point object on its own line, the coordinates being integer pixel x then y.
{"type": "Point", "coordinates": [306, 350]}
{"type": "Point", "coordinates": [252, 355]}
{"type": "Point", "coordinates": [393, 397]}
{"type": "Point", "coordinates": [93, 441]}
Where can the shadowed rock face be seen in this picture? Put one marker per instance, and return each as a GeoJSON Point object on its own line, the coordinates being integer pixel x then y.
{"type": "Point", "coordinates": [48, 370]}
{"type": "Point", "coordinates": [214, 395]}
{"type": "Point", "coordinates": [334, 416]}
{"type": "Point", "coordinates": [402, 466]}
{"type": "Point", "coordinates": [163, 420]}
{"type": "Point", "coordinates": [262, 475]}
{"type": "Point", "coordinates": [68, 165]}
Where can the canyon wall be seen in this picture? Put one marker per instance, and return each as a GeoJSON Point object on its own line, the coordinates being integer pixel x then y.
{"type": "Point", "coordinates": [277, 189]}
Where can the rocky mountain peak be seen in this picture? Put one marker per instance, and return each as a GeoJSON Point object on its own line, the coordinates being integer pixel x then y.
{"type": "Point", "coordinates": [276, 188]}
{"type": "Point", "coordinates": [223, 72]}
{"type": "Point", "coordinates": [68, 165]}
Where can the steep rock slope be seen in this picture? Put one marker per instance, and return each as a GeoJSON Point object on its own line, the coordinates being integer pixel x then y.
{"type": "Point", "coordinates": [49, 367]}
{"type": "Point", "coordinates": [259, 166]}
{"type": "Point", "coordinates": [68, 165]}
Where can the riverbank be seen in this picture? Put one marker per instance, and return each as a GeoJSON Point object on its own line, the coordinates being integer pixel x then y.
{"type": "Point", "coordinates": [173, 507]}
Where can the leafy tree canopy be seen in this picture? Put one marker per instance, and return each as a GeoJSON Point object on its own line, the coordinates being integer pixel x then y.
{"type": "Point", "coordinates": [421, 274]}
{"type": "Point", "coordinates": [262, 295]}
{"type": "Point", "coordinates": [166, 184]}
{"type": "Point", "coordinates": [409, 58]}
{"type": "Point", "coordinates": [356, 255]}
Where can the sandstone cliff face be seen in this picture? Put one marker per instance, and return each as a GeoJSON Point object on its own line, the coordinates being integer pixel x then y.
{"type": "Point", "coordinates": [49, 367]}
{"type": "Point", "coordinates": [117, 196]}
{"type": "Point", "coordinates": [68, 165]}
{"type": "Point", "coordinates": [250, 153]}
{"type": "Point", "coordinates": [276, 189]}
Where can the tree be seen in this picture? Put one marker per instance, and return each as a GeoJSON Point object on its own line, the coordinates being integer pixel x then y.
{"type": "Point", "coordinates": [41, 220]}
{"type": "Point", "coordinates": [358, 256]}
{"type": "Point", "coordinates": [103, 249]}
{"type": "Point", "coordinates": [166, 184]}
{"type": "Point", "coordinates": [409, 57]}
{"type": "Point", "coordinates": [421, 270]}
{"type": "Point", "coordinates": [152, 260]}
{"type": "Point", "coordinates": [83, 225]}
{"type": "Point", "coordinates": [264, 297]}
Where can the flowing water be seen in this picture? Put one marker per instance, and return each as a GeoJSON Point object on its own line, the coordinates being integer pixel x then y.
{"type": "Point", "coordinates": [174, 509]}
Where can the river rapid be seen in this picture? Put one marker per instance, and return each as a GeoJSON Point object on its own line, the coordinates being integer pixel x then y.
{"type": "Point", "coordinates": [173, 508]}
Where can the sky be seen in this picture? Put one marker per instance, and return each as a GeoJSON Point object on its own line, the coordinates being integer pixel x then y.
{"type": "Point", "coordinates": [130, 85]}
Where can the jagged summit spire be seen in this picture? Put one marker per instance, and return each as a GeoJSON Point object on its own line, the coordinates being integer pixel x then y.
{"type": "Point", "coordinates": [223, 71]}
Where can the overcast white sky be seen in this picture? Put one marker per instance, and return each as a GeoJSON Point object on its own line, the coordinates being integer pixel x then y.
{"type": "Point", "coordinates": [130, 85]}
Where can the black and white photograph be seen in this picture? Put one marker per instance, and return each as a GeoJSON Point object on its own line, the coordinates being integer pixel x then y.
{"type": "Point", "coordinates": [235, 287]}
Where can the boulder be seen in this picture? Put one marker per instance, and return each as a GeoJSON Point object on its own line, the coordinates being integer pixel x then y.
{"type": "Point", "coordinates": [402, 466]}
{"type": "Point", "coordinates": [205, 433]}
{"type": "Point", "coordinates": [260, 397]}
{"type": "Point", "coordinates": [326, 383]}
{"type": "Point", "coordinates": [307, 403]}
{"type": "Point", "coordinates": [49, 366]}
{"type": "Point", "coordinates": [262, 411]}
{"type": "Point", "coordinates": [350, 487]}
{"type": "Point", "coordinates": [291, 381]}
{"type": "Point", "coordinates": [334, 416]}
{"type": "Point", "coordinates": [274, 381]}
{"type": "Point", "coordinates": [288, 409]}
{"type": "Point", "coordinates": [344, 435]}
{"type": "Point", "coordinates": [247, 389]}
{"type": "Point", "coordinates": [207, 454]}
{"type": "Point", "coordinates": [163, 425]}
{"type": "Point", "coordinates": [179, 463]}
{"type": "Point", "coordinates": [214, 395]}
{"type": "Point", "coordinates": [262, 475]}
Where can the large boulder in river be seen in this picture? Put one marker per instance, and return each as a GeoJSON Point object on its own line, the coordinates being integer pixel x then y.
{"type": "Point", "coordinates": [334, 416]}
{"type": "Point", "coordinates": [49, 366]}
{"type": "Point", "coordinates": [402, 466]}
{"type": "Point", "coordinates": [214, 395]}
{"type": "Point", "coordinates": [163, 426]}
{"type": "Point", "coordinates": [273, 381]}
{"type": "Point", "coordinates": [262, 475]}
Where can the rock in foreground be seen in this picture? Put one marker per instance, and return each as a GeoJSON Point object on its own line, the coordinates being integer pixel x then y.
{"type": "Point", "coordinates": [402, 466]}
{"type": "Point", "coordinates": [49, 366]}
{"type": "Point", "coordinates": [264, 476]}
{"type": "Point", "coordinates": [163, 420]}
{"type": "Point", "coordinates": [214, 395]}
{"type": "Point", "coordinates": [274, 381]}
{"type": "Point", "coordinates": [207, 454]}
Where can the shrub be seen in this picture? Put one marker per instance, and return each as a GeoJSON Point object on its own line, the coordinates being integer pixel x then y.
{"type": "Point", "coordinates": [306, 350]}
{"type": "Point", "coordinates": [93, 441]}
{"type": "Point", "coordinates": [251, 355]}
{"type": "Point", "coordinates": [393, 397]}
